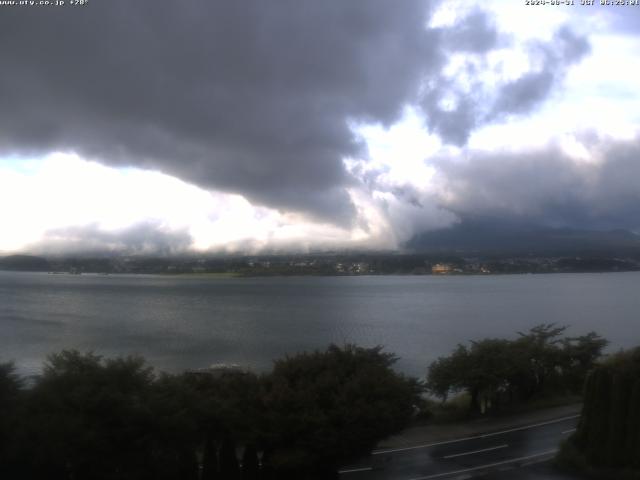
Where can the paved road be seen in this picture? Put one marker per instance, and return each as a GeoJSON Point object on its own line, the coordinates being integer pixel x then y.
{"type": "Point", "coordinates": [465, 457]}
{"type": "Point", "coordinates": [538, 471]}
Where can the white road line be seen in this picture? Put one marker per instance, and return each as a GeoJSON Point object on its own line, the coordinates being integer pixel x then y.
{"type": "Point", "coordinates": [482, 467]}
{"type": "Point", "coordinates": [568, 431]}
{"type": "Point", "coordinates": [476, 451]}
{"type": "Point", "coordinates": [475, 437]}
{"type": "Point", "coordinates": [354, 470]}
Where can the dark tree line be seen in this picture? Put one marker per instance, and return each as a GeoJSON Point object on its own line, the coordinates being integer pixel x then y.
{"type": "Point", "coordinates": [608, 435]}
{"type": "Point", "coordinates": [87, 417]}
{"type": "Point", "coordinates": [495, 372]}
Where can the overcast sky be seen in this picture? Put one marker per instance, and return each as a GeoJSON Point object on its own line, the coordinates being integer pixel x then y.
{"type": "Point", "coordinates": [157, 125]}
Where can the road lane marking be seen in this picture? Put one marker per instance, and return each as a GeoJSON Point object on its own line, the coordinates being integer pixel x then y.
{"type": "Point", "coordinates": [475, 437]}
{"type": "Point", "coordinates": [482, 467]}
{"type": "Point", "coordinates": [476, 451]}
{"type": "Point", "coordinates": [568, 431]}
{"type": "Point", "coordinates": [354, 470]}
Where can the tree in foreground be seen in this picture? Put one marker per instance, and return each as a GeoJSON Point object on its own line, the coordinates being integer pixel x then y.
{"type": "Point", "coordinates": [87, 417]}
{"type": "Point", "coordinates": [250, 463]}
{"type": "Point", "coordinates": [607, 440]}
{"type": "Point", "coordinates": [494, 372]}
{"type": "Point", "coordinates": [91, 418]}
{"type": "Point", "coordinates": [11, 397]}
{"type": "Point", "coordinates": [325, 407]}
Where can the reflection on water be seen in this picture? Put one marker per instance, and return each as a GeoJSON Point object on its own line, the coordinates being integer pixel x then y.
{"type": "Point", "coordinates": [187, 322]}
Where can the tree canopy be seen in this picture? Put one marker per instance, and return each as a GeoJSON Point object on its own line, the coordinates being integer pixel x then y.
{"type": "Point", "coordinates": [89, 417]}
{"type": "Point", "coordinates": [607, 440]}
{"type": "Point", "coordinates": [498, 371]}
{"type": "Point", "coordinates": [326, 406]}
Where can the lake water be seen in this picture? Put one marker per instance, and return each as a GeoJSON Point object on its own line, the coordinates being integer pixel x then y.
{"type": "Point", "coordinates": [191, 322]}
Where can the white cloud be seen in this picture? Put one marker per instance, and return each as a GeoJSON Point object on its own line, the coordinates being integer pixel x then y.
{"type": "Point", "coordinates": [52, 197]}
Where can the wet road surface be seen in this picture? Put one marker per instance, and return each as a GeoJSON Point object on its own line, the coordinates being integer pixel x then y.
{"type": "Point", "coordinates": [489, 456]}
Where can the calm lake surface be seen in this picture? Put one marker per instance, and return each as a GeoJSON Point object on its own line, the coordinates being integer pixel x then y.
{"type": "Point", "coordinates": [191, 322]}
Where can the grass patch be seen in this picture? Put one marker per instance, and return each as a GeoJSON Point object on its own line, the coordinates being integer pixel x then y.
{"type": "Point", "coordinates": [454, 410]}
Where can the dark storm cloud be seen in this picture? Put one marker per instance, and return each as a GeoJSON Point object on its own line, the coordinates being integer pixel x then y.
{"type": "Point", "coordinates": [454, 125]}
{"type": "Point", "coordinates": [527, 92]}
{"type": "Point", "coordinates": [143, 238]}
{"type": "Point", "coordinates": [546, 187]}
{"type": "Point", "coordinates": [476, 104]}
{"type": "Point", "coordinates": [474, 33]}
{"type": "Point", "coordinates": [246, 96]}
{"type": "Point", "coordinates": [250, 97]}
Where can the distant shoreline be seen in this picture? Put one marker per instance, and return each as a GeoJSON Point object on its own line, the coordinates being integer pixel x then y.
{"type": "Point", "coordinates": [214, 275]}
{"type": "Point", "coordinates": [335, 264]}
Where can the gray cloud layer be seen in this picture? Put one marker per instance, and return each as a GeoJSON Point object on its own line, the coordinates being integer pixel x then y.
{"type": "Point", "coordinates": [480, 105]}
{"type": "Point", "coordinates": [243, 96]}
{"type": "Point", "coordinates": [546, 187]}
{"type": "Point", "coordinates": [143, 238]}
{"type": "Point", "coordinates": [256, 98]}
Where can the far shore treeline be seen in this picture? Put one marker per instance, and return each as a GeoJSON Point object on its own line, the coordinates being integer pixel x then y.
{"type": "Point", "coordinates": [331, 263]}
{"type": "Point", "coordinates": [89, 417]}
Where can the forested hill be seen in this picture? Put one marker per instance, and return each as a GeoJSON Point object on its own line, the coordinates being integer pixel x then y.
{"type": "Point", "coordinates": [494, 238]}
{"type": "Point", "coordinates": [328, 264]}
{"type": "Point", "coordinates": [24, 263]}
